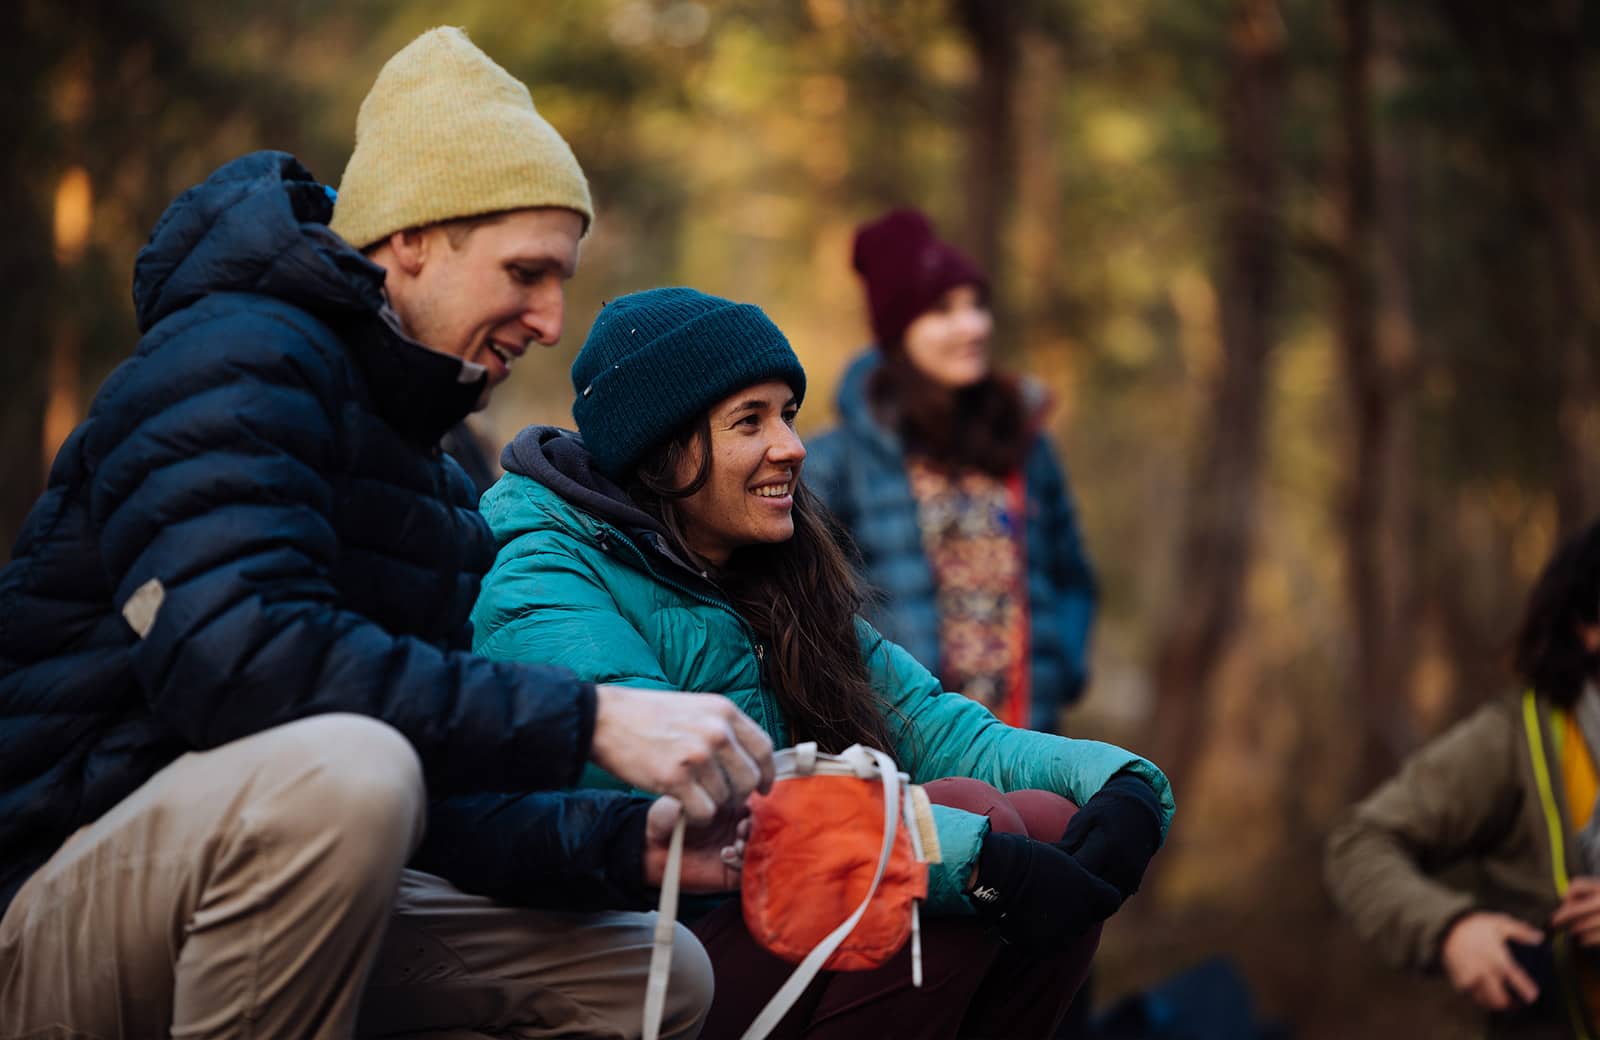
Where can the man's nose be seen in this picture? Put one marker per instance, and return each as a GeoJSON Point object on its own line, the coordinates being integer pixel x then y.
{"type": "Point", "coordinates": [545, 313]}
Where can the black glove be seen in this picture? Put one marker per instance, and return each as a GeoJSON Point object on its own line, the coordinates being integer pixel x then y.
{"type": "Point", "coordinates": [1116, 832]}
{"type": "Point", "coordinates": [1039, 897]}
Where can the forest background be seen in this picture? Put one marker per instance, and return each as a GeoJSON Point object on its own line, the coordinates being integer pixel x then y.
{"type": "Point", "coordinates": [1314, 285]}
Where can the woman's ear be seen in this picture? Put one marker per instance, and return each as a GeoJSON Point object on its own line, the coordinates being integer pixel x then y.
{"type": "Point", "coordinates": [1589, 636]}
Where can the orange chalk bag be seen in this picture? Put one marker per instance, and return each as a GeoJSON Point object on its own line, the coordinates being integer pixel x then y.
{"type": "Point", "coordinates": [834, 869]}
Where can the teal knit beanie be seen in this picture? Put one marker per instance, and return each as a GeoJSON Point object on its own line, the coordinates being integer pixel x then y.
{"type": "Point", "coordinates": [655, 360]}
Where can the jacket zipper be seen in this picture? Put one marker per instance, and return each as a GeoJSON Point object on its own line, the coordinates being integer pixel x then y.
{"type": "Point", "coordinates": [1566, 967]}
{"type": "Point", "coordinates": [606, 538]}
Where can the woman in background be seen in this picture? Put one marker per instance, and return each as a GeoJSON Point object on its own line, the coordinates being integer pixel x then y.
{"type": "Point", "coordinates": [942, 475]}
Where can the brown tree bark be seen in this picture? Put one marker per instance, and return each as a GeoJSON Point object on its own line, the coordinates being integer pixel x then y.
{"type": "Point", "coordinates": [1216, 547]}
{"type": "Point", "coordinates": [1567, 177]}
{"type": "Point", "coordinates": [1530, 57]}
{"type": "Point", "coordinates": [994, 30]}
{"type": "Point", "coordinates": [26, 263]}
{"type": "Point", "coordinates": [1039, 220]}
{"type": "Point", "coordinates": [1377, 347]}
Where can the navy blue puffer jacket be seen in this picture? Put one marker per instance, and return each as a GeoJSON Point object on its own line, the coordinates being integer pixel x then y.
{"type": "Point", "coordinates": [266, 468]}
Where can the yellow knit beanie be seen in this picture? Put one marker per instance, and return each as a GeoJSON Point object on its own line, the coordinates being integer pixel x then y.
{"type": "Point", "coordinates": [446, 133]}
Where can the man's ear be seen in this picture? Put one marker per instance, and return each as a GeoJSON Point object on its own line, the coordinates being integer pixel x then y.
{"type": "Point", "coordinates": [410, 249]}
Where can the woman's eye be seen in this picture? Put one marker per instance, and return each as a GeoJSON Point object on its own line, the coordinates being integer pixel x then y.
{"type": "Point", "coordinates": [790, 417]}
{"type": "Point", "coordinates": [525, 275]}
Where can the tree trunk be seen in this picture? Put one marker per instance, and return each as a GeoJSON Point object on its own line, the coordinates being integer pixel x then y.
{"type": "Point", "coordinates": [1530, 57]}
{"type": "Point", "coordinates": [1566, 180]}
{"type": "Point", "coordinates": [26, 264]}
{"type": "Point", "coordinates": [1379, 500]}
{"type": "Point", "coordinates": [1216, 547]}
{"type": "Point", "coordinates": [994, 30]}
{"type": "Point", "coordinates": [1039, 222]}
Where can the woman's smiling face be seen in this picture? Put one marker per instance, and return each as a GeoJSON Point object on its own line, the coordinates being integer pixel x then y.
{"type": "Point", "coordinates": [748, 496]}
{"type": "Point", "coordinates": [949, 342]}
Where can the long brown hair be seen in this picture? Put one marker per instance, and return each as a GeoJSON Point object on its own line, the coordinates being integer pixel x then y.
{"type": "Point", "coordinates": [801, 597]}
{"type": "Point", "coordinates": [1549, 653]}
{"type": "Point", "coordinates": [985, 426]}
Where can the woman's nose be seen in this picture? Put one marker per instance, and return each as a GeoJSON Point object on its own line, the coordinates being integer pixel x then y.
{"type": "Point", "coordinates": [787, 446]}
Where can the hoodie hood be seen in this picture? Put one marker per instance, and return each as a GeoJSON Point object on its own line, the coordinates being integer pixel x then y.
{"type": "Point", "coordinates": [557, 459]}
{"type": "Point", "coordinates": [855, 406]}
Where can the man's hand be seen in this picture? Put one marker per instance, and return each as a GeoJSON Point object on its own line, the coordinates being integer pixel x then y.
{"type": "Point", "coordinates": [1580, 910]}
{"type": "Point", "coordinates": [1481, 966]}
{"type": "Point", "coordinates": [713, 855]}
{"type": "Point", "coordinates": [696, 747]}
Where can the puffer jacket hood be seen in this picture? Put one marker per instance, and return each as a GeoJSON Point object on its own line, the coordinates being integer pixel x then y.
{"type": "Point", "coordinates": [258, 224]}
{"type": "Point", "coordinates": [855, 406]}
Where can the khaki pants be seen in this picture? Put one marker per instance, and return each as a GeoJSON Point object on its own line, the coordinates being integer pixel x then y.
{"type": "Point", "coordinates": [257, 890]}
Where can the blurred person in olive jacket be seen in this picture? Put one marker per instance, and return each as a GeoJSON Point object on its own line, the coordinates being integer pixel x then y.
{"type": "Point", "coordinates": [1509, 794]}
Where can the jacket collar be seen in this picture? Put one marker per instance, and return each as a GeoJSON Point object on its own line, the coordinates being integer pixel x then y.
{"type": "Point", "coordinates": [856, 412]}
{"type": "Point", "coordinates": [419, 391]}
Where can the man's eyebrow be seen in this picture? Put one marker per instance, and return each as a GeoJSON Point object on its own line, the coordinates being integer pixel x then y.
{"type": "Point", "coordinates": [545, 261]}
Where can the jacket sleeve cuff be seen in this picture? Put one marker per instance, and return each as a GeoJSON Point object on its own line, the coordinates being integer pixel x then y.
{"type": "Point", "coordinates": [961, 835]}
{"type": "Point", "coordinates": [1432, 959]}
{"type": "Point", "coordinates": [626, 858]}
{"type": "Point", "coordinates": [588, 709]}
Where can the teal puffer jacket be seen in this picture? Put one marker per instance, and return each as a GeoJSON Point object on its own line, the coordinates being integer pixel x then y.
{"type": "Point", "coordinates": [591, 590]}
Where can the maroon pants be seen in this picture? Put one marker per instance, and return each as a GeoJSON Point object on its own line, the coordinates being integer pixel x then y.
{"type": "Point", "coordinates": [974, 984]}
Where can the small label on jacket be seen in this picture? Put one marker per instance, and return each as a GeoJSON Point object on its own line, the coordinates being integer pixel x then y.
{"type": "Point", "coordinates": [141, 609]}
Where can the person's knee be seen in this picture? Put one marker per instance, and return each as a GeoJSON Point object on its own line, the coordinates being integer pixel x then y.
{"type": "Point", "coordinates": [976, 796]}
{"type": "Point", "coordinates": [689, 988]}
{"type": "Point", "coordinates": [1044, 813]}
{"type": "Point", "coordinates": [356, 777]}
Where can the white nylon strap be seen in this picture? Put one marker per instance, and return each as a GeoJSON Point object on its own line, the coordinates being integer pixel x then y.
{"type": "Point", "coordinates": [915, 834]}
{"type": "Point", "coordinates": [791, 990]}
{"type": "Point", "coordinates": [655, 990]}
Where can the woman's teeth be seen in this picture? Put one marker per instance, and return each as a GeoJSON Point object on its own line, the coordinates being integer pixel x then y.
{"type": "Point", "coordinates": [773, 490]}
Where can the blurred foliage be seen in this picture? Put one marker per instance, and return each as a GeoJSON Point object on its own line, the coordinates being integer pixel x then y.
{"type": "Point", "coordinates": [734, 146]}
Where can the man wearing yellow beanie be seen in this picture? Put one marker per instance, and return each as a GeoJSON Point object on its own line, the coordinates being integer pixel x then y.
{"type": "Point", "coordinates": [238, 718]}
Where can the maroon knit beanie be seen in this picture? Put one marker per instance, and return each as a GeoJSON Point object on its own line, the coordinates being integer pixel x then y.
{"type": "Point", "coordinates": [906, 268]}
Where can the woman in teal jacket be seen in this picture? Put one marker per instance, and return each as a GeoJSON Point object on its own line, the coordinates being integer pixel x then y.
{"type": "Point", "coordinates": [673, 545]}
